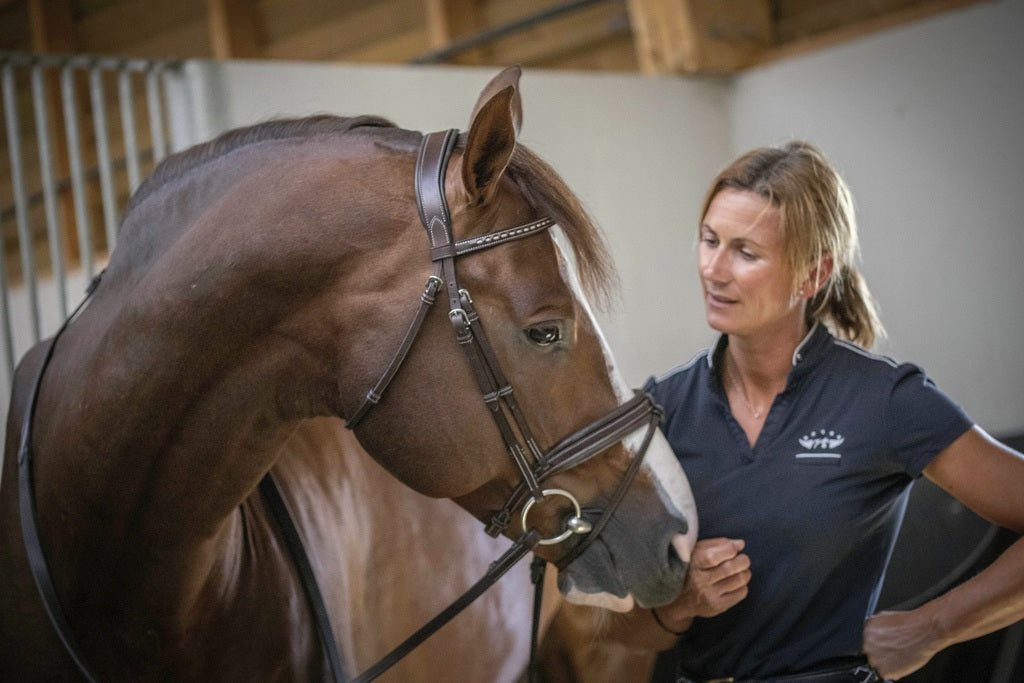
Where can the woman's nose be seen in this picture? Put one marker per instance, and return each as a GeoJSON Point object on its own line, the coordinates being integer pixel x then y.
{"type": "Point", "coordinates": [712, 266]}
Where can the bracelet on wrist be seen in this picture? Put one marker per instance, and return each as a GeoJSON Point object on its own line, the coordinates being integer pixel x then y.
{"type": "Point", "coordinates": [661, 623]}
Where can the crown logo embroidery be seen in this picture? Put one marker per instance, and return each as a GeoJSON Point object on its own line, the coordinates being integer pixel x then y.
{"type": "Point", "coordinates": [821, 439]}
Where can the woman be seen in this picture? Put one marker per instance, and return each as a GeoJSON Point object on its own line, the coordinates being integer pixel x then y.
{"type": "Point", "coordinates": [800, 446]}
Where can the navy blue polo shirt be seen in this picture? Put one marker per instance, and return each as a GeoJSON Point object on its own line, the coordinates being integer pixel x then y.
{"type": "Point", "coordinates": [819, 499]}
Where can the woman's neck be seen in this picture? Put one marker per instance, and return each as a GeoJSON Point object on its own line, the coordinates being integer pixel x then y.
{"type": "Point", "coordinates": [763, 361]}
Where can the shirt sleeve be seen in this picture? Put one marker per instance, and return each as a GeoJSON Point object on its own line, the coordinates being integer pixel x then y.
{"type": "Point", "coordinates": [921, 419]}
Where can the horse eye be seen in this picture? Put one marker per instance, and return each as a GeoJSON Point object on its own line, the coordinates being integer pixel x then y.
{"type": "Point", "coordinates": [544, 335]}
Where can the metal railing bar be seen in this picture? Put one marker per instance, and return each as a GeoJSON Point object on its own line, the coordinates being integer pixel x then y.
{"type": "Point", "coordinates": [47, 176]}
{"type": "Point", "coordinates": [156, 118]}
{"type": "Point", "coordinates": [75, 169]}
{"type": "Point", "coordinates": [99, 119]}
{"type": "Point", "coordinates": [85, 61]}
{"type": "Point", "coordinates": [124, 93]}
{"type": "Point", "coordinates": [25, 242]}
{"type": "Point", "coordinates": [90, 174]}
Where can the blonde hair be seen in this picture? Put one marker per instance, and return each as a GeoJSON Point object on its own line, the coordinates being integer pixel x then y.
{"type": "Point", "coordinates": [817, 221]}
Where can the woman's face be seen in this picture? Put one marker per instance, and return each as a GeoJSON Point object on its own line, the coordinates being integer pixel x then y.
{"type": "Point", "coordinates": [748, 288]}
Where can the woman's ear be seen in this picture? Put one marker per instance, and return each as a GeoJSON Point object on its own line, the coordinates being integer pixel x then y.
{"type": "Point", "coordinates": [816, 278]}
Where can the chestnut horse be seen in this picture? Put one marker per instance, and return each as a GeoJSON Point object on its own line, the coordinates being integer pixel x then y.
{"type": "Point", "coordinates": [261, 285]}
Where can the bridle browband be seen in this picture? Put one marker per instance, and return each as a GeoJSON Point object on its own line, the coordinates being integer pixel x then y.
{"type": "Point", "coordinates": [534, 465]}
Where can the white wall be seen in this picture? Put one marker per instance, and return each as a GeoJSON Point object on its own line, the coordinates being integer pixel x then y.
{"type": "Point", "coordinates": [638, 151]}
{"type": "Point", "coordinates": [927, 124]}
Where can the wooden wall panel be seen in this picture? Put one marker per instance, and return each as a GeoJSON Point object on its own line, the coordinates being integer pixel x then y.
{"type": "Point", "coordinates": [368, 34]}
{"type": "Point", "coordinates": [235, 29]}
{"type": "Point", "coordinates": [118, 28]}
{"type": "Point", "coordinates": [700, 36]}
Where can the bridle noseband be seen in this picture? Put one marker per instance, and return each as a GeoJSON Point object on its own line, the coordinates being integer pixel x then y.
{"type": "Point", "coordinates": [534, 465]}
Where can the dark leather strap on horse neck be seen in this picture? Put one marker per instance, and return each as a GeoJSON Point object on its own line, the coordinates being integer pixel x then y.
{"type": "Point", "coordinates": [27, 507]}
{"type": "Point", "coordinates": [314, 599]}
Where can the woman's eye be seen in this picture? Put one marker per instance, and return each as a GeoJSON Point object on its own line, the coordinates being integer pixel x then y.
{"type": "Point", "coordinates": [544, 335]}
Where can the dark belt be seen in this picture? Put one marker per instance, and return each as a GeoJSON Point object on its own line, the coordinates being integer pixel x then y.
{"type": "Point", "coordinates": [861, 673]}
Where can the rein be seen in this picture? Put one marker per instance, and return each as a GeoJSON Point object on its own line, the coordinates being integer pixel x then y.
{"type": "Point", "coordinates": [534, 465]}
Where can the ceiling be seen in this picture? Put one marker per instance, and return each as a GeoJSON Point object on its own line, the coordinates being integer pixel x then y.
{"type": "Point", "coordinates": [664, 37]}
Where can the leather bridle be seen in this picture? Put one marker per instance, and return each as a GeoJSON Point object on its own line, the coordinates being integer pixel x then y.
{"type": "Point", "coordinates": [534, 465]}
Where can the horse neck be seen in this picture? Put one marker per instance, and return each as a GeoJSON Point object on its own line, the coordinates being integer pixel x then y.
{"type": "Point", "coordinates": [196, 364]}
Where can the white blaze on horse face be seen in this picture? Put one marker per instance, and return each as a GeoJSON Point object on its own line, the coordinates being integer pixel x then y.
{"type": "Point", "coordinates": [660, 461]}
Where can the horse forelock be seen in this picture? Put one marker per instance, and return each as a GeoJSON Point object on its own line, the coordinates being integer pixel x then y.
{"type": "Point", "coordinates": [182, 163]}
{"type": "Point", "coordinates": [546, 191]}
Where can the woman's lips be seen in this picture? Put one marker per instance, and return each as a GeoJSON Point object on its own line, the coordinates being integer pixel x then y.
{"type": "Point", "coordinates": [719, 300]}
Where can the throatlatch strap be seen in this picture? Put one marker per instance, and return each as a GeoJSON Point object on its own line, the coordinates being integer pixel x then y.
{"type": "Point", "coordinates": [279, 509]}
{"type": "Point", "coordinates": [27, 506]}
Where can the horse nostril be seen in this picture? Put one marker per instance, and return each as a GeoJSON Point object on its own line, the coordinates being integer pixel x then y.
{"type": "Point", "coordinates": [679, 552]}
{"type": "Point", "coordinates": [675, 563]}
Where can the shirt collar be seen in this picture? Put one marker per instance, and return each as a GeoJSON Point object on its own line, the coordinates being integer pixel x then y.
{"type": "Point", "coordinates": [810, 349]}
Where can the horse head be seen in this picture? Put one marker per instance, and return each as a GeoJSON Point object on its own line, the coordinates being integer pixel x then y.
{"type": "Point", "coordinates": [432, 430]}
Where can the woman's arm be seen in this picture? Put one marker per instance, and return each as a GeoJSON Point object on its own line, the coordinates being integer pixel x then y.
{"type": "Point", "coordinates": [987, 477]}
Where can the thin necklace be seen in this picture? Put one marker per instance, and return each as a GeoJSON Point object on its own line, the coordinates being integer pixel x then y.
{"type": "Point", "coordinates": [742, 392]}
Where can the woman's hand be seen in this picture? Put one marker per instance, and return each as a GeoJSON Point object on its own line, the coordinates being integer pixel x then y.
{"type": "Point", "coordinates": [717, 579]}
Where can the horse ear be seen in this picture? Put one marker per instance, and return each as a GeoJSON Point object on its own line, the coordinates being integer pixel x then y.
{"type": "Point", "coordinates": [492, 134]}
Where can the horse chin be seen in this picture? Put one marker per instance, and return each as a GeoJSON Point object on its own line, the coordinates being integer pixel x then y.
{"type": "Point", "coordinates": [602, 600]}
{"type": "Point", "coordinates": [618, 581]}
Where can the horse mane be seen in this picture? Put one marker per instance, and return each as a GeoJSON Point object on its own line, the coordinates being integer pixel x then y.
{"type": "Point", "coordinates": [536, 179]}
{"type": "Point", "coordinates": [182, 163]}
{"type": "Point", "coordinates": [546, 190]}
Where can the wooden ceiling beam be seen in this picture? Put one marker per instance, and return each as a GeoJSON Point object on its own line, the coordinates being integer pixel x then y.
{"type": "Point", "coordinates": [700, 36]}
{"type": "Point", "coordinates": [53, 27]}
{"type": "Point", "coordinates": [234, 27]}
{"type": "Point", "coordinates": [450, 20]}
{"type": "Point", "coordinates": [802, 33]}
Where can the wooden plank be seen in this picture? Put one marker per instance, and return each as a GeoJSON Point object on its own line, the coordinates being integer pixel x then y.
{"type": "Point", "coordinates": [397, 47]}
{"type": "Point", "coordinates": [103, 30]}
{"type": "Point", "coordinates": [797, 19]}
{"type": "Point", "coordinates": [612, 54]}
{"type": "Point", "coordinates": [849, 29]}
{"type": "Point", "coordinates": [283, 18]}
{"type": "Point", "coordinates": [189, 39]}
{"type": "Point", "coordinates": [700, 36]}
{"type": "Point", "coordinates": [450, 20]}
{"type": "Point", "coordinates": [663, 32]}
{"type": "Point", "coordinates": [352, 32]}
{"type": "Point", "coordinates": [575, 39]}
{"type": "Point", "coordinates": [53, 27]}
{"type": "Point", "coordinates": [234, 27]}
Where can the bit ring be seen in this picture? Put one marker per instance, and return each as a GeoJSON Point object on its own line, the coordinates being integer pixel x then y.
{"type": "Point", "coordinates": [574, 525]}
